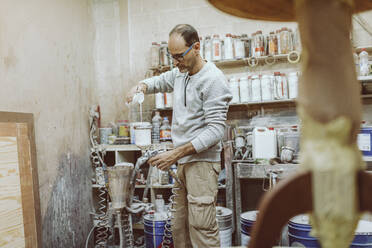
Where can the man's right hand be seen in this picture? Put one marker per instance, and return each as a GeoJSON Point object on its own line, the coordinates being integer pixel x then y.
{"type": "Point", "coordinates": [141, 87]}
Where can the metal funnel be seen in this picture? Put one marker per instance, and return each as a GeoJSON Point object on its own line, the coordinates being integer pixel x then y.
{"type": "Point", "coordinates": [119, 184]}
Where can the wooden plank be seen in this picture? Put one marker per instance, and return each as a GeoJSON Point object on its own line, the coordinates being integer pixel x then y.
{"type": "Point", "coordinates": [8, 130]}
{"type": "Point", "coordinates": [11, 217]}
{"type": "Point", "coordinates": [33, 193]}
{"type": "Point", "coordinates": [24, 162]}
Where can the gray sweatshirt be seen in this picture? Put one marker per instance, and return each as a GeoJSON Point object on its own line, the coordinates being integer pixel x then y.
{"type": "Point", "coordinates": [200, 105]}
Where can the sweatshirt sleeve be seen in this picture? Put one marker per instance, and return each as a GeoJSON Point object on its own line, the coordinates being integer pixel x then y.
{"type": "Point", "coordinates": [216, 100]}
{"type": "Point", "coordinates": [162, 83]}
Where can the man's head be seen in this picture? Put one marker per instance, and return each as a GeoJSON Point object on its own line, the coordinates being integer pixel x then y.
{"type": "Point", "coordinates": [184, 47]}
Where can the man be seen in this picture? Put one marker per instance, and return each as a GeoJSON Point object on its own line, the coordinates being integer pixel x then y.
{"type": "Point", "coordinates": [200, 106]}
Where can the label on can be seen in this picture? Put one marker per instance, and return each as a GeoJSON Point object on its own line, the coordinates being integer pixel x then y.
{"type": "Point", "coordinates": [124, 131]}
{"type": "Point", "coordinates": [364, 142]}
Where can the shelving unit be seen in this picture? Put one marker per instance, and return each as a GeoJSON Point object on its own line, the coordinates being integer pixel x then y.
{"type": "Point", "coordinates": [234, 62]}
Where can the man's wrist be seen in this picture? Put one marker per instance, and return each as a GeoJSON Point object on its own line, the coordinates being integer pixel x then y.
{"type": "Point", "coordinates": [185, 150]}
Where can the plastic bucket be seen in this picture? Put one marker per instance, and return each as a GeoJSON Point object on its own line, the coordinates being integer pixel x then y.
{"type": "Point", "coordinates": [247, 220]}
{"type": "Point", "coordinates": [299, 233]}
{"type": "Point", "coordinates": [154, 226]}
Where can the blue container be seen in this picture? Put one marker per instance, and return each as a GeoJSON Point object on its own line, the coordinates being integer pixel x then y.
{"type": "Point", "coordinates": [154, 226]}
{"type": "Point", "coordinates": [247, 220]}
{"type": "Point", "coordinates": [299, 233]}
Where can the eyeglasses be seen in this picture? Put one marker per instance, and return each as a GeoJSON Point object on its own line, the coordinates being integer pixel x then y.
{"type": "Point", "coordinates": [179, 57]}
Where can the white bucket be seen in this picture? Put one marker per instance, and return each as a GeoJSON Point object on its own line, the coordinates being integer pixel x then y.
{"type": "Point", "coordinates": [224, 220]}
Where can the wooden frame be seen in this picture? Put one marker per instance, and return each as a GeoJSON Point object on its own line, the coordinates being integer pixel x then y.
{"type": "Point", "coordinates": [21, 126]}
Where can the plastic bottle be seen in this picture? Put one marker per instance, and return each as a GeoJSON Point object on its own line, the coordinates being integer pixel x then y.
{"type": "Point", "coordinates": [159, 204]}
{"type": "Point", "coordinates": [156, 122]}
{"type": "Point", "coordinates": [363, 63]}
{"type": "Point", "coordinates": [165, 131]}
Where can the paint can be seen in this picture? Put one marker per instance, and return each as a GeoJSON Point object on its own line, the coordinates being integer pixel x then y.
{"type": "Point", "coordinates": [104, 134]}
{"type": "Point", "coordinates": [224, 221]}
{"type": "Point", "coordinates": [299, 230]}
{"type": "Point", "coordinates": [154, 225]}
{"type": "Point", "coordinates": [247, 220]}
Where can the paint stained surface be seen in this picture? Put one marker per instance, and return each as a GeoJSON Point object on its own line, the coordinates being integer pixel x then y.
{"type": "Point", "coordinates": [11, 216]}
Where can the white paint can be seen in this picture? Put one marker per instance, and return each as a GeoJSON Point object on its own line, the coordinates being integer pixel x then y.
{"type": "Point", "coordinates": [104, 134]}
{"type": "Point", "coordinates": [224, 221]}
{"type": "Point", "coordinates": [159, 100]}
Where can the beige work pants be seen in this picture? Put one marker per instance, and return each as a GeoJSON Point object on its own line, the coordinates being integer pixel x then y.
{"type": "Point", "coordinates": [194, 221]}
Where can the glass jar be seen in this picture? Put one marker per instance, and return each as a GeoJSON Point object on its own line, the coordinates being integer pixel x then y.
{"type": "Point", "coordinates": [285, 43]}
{"type": "Point", "coordinates": [228, 47]}
{"type": "Point", "coordinates": [297, 41]}
{"type": "Point", "coordinates": [163, 54]}
{"type": "Point", "coordinates": [216, 48]}
{"type": "Point", "coordinates": [260, 44]}
{"type": "Point", "coordinates": [208, 48]}
{"type": "Point", "coordinates": [234, 87]}
{"type": "Point", "coordinates": [253, 45]}
{"type": "Point", "coordinates": [256, 88]}
{"type": "Point", "coordinates": [155, 48]}
{"type": "Point", "coordinates": [247, 45]}
{"type": "Point", "coordinates": [277, 34]}
{"type": "Point", "coordinates": [123, 128]}
{"type": "Point", "coordinates": [273, 44]}
{"type": "Point", "coordinates": [244, 90]}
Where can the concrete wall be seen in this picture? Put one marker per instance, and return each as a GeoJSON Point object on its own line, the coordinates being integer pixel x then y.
{"type": "Point", "coordinates": [46, 68]}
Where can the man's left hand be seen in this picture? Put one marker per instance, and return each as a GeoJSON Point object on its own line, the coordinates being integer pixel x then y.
{"type": "Point", "coordinates": [164, 160]}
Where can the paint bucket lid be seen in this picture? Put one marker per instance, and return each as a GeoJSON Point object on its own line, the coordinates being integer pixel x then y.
{"type": "Point", "coordinates": [302, 219]}
{"type": "Point", "coordinates": [157, 216]}
{"type": "Point", "coordinates": [221, 212]}
{"type": "Point", "coordinates": [364, 227]}
{"type": "Point", "coordinates": [143, 125]}
{"type": "Point", "coordinates": [250, 215]}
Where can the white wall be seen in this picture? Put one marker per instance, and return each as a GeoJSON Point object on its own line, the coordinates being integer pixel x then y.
{"type": "Point", "coordinates": [46, 68]}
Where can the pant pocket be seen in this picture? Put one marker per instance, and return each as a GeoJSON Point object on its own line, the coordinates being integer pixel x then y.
{"type": "Point", "coordinates": [202, 212]}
